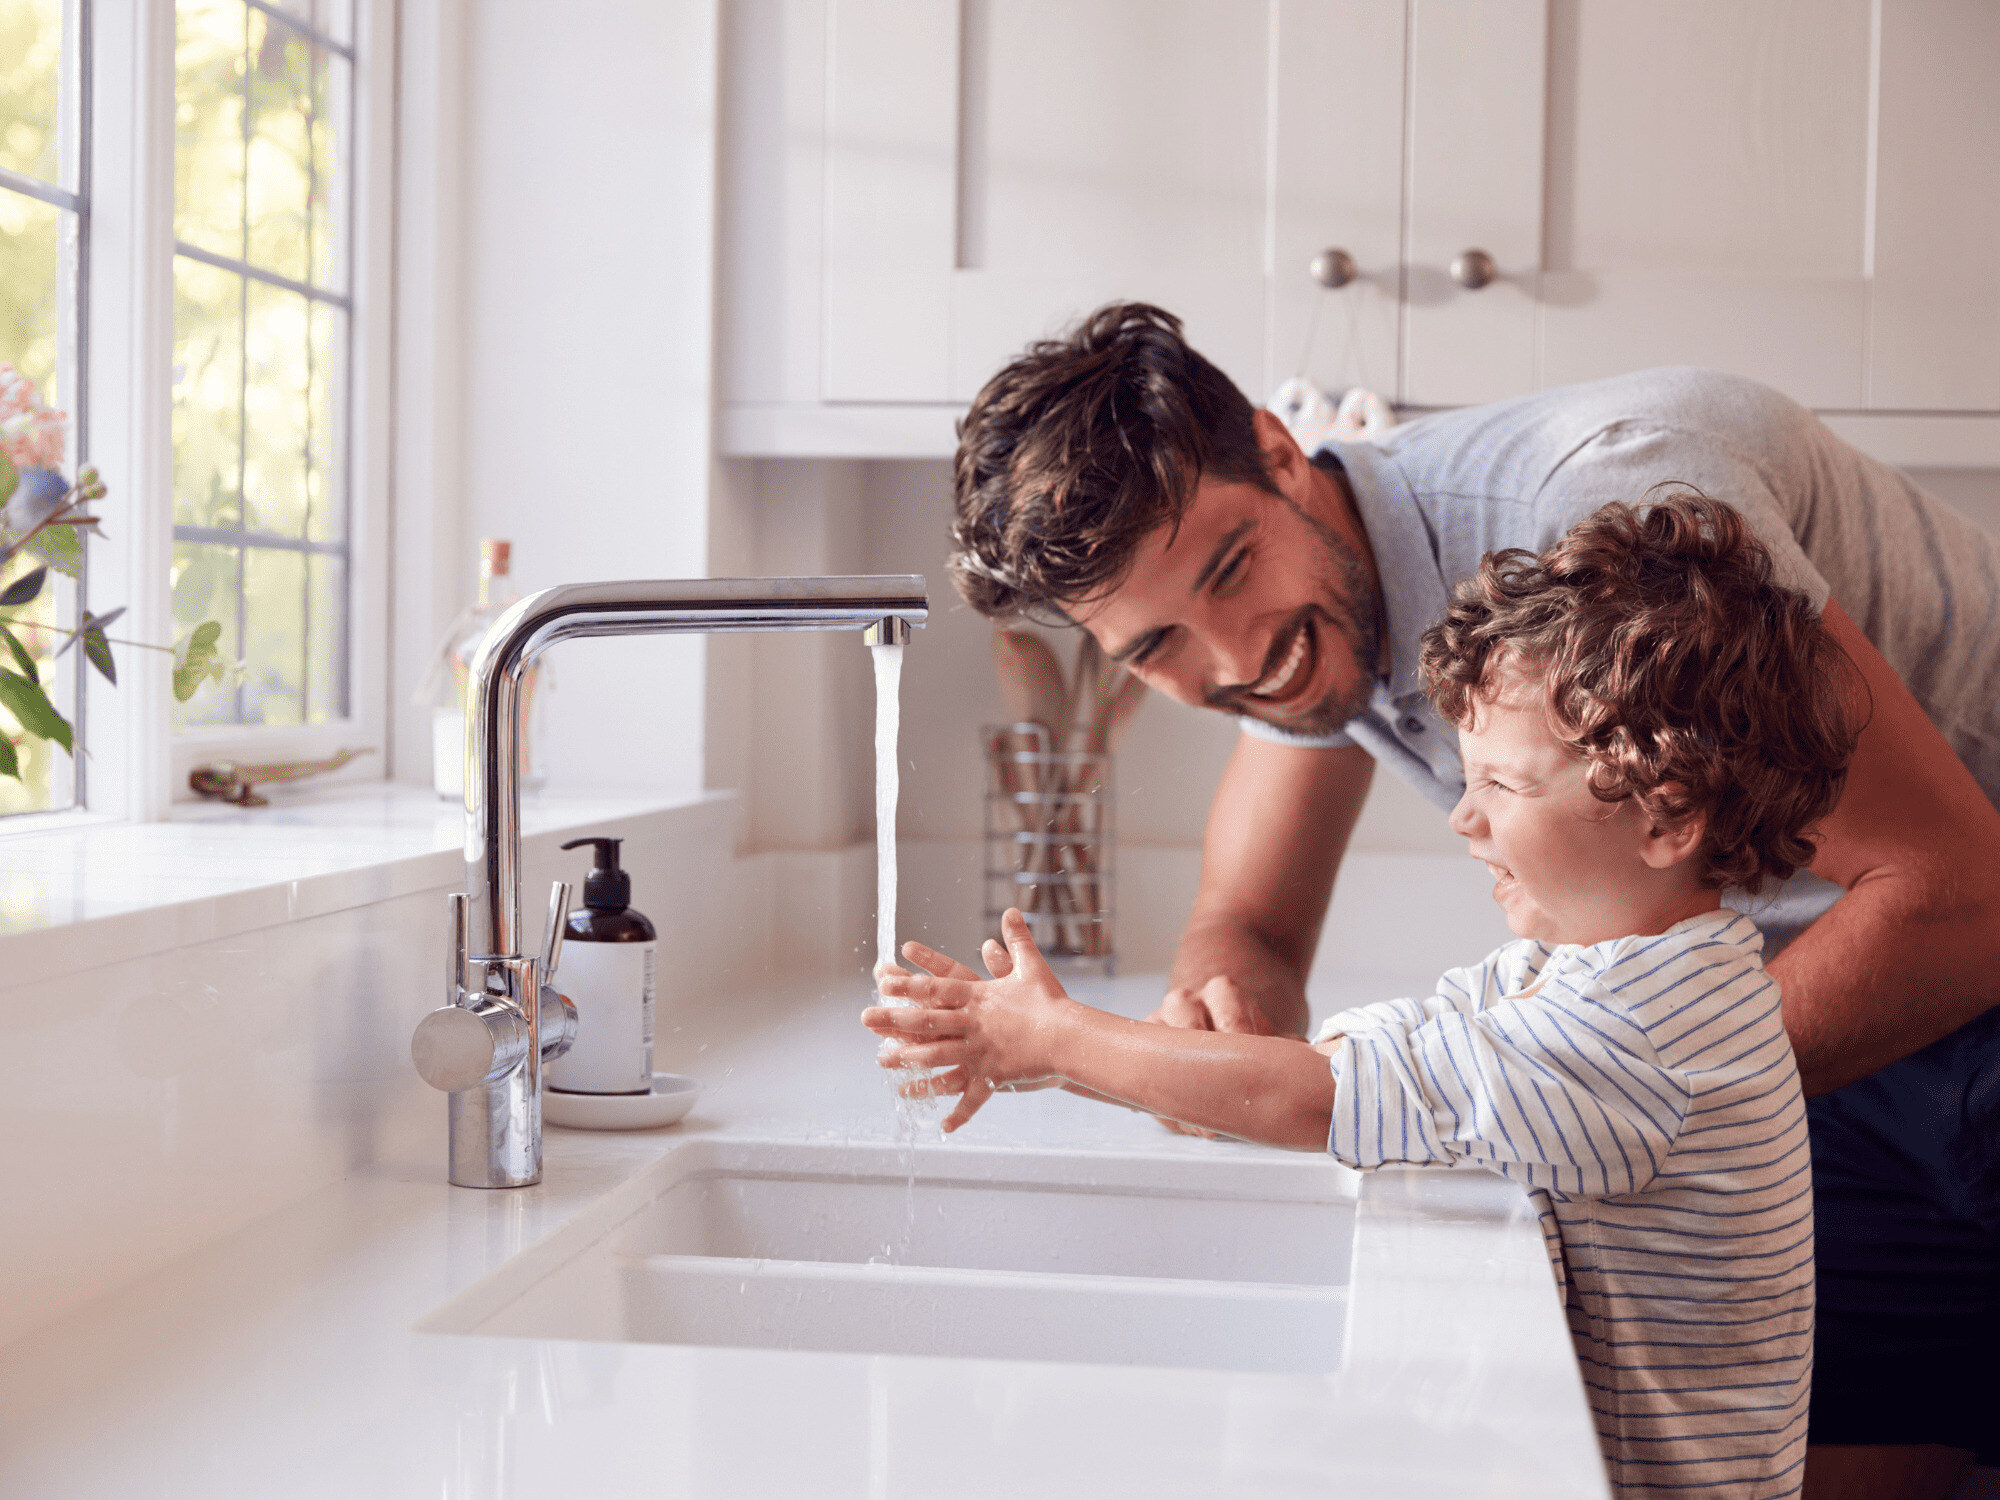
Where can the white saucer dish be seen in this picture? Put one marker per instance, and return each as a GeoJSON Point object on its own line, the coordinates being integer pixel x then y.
{"type": "Point", "coordinates": [671, 1097]}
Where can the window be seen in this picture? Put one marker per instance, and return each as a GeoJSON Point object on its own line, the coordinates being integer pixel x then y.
{"type": "Point", "coordinates": [263, 174]}
{"type": "Point", "coordinates": [44, 217]}
{"type": "Point", "coordinates": [213, 285]}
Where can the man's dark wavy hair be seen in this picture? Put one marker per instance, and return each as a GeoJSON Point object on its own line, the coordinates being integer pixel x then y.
{"type": "Point", "coordinates": [1082, 446]}
{"type": "Point", "coordinates": [1677, 666]}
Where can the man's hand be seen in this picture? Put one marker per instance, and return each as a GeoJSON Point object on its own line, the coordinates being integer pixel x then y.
{"type": "Point", "coordinates": [1219, 1005]}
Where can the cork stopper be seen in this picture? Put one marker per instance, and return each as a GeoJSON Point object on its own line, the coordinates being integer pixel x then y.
{"type": "Point", "coordinates": [493, 556]}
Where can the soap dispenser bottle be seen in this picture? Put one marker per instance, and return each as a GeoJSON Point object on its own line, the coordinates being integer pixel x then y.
{"type": "Point", "coordinates": [608, 958]}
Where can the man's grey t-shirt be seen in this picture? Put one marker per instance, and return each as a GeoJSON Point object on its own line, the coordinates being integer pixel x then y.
{"type": "Point", "coordinates": [1437, 494]}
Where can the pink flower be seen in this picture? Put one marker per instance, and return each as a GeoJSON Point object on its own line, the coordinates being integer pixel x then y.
{"type": "Point", "coordinates": [31, 433]}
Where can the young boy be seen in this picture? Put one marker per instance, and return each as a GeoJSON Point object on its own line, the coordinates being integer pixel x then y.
{"type": "Point", "coordinates": [1645, 719]}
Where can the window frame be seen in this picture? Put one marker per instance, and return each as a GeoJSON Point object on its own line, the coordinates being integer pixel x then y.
{"type": "Point", "coordinates": [75, 199]}
{"type": "Point", "coordinates": [138, 765]}
{"type": "Point", "coordinates": [370, 294]}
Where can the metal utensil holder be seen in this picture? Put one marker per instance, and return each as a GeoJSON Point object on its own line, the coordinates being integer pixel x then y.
{"type": "Point", "coordinates": [1051, 846]}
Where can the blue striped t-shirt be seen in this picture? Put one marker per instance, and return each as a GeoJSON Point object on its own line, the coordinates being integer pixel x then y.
{"type": "Point", "coordinates": [1644, 1092]}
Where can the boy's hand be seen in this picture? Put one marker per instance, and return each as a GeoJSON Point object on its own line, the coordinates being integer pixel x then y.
{"type": "Point", "coordinates": [983, 1034]}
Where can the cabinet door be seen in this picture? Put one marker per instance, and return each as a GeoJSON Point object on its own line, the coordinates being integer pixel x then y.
{"type": "Point", "coordinates": [1337, 183]}
{"type": "Point", "coordinates": [1111, 149]}
{"type": "Point", "coordinates": [1707, 191]}
{"type": "Point", "coordinates": [891, 170]}
{"type": "Point", "coordinates": [1934, 334]}
{"type": "Point", "coordinates": [1194, 154]}
{"type": "Point", "coordinates": [1476, 107]}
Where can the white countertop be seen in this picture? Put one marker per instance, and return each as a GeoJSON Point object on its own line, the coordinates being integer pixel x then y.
{"type": "Point", "coordinates": [79, 893]}
{"type": "Point", "coordinates": [282, 1361]}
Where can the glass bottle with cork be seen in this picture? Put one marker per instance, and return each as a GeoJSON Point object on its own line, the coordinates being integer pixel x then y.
{"type": "Point", "coordinates": [450, 674]}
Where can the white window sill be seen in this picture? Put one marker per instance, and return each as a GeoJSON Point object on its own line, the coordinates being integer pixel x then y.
{"type": "Point", "coordinates": [84, 893]}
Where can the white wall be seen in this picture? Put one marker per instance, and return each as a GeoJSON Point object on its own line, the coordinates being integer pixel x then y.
{"type": "Point", "coordinates": [576, 360]}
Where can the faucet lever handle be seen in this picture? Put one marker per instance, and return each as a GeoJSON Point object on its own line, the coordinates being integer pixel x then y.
{"type": "Point", "coordinates": [552, 943]}
{"type": "Point", "coordinates": [461, 945]}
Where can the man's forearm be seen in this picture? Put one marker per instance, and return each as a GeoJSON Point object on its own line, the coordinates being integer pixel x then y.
{"type": "Point", "coordinates": [1275, 1090]}
{"type": "Point", "coordinates": [1896, 963]}
{"type": "Point", "coordinates": [1219, 944]}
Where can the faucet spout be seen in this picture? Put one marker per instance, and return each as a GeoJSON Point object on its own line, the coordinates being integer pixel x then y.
{"type": "Point", "coordinates": [496, 1127]}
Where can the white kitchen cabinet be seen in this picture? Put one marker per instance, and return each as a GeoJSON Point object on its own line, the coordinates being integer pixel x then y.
{"type": "Point", "coordinates": [1708, 192]}
{"type": "Point", "coordinates": [1799, 192]}
{"type": "Point", "coordinates": [996, 168]}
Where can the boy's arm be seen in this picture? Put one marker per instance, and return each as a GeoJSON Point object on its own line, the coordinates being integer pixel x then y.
{"type": "Point", "coordinates": [1274, 1090]}
{"type": "Point", "coordinates": [1463, 991]}
{"type": "Point", "coordinates": [1555, 1090]}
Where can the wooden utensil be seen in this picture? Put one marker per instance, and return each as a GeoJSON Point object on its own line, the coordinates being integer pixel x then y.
{"type": "Point", "coordinates": [1118, 702]}
{"type": "Point", "coordinates": [1031, 686]}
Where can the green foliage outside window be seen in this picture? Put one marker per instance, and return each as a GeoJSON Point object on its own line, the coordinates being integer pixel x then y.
{"type": "Point", "coordinates": [259, 370]}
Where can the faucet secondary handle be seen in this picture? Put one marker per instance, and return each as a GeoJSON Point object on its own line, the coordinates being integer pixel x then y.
{"type": "Point", "coordinates": [558, 922]}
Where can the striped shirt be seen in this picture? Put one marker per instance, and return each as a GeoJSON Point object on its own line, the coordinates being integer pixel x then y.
{"type": "Point", "coordinates": [1644, 1092]}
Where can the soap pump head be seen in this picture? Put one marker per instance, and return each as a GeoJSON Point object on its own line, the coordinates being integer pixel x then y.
{"type": "Point", "coordinates": [606, 887]}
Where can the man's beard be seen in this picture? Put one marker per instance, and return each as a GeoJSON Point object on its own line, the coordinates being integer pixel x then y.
{"type": "Point", "coordinates": [1343, 582]}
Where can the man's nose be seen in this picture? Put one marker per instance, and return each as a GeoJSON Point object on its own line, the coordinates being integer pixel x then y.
{"type": "Point", "coordinates": [1235, 661]}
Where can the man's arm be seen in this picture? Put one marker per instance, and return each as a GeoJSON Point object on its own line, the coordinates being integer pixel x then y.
{"type": "Point", "coordinates": [1277, 829]}
{"type": "Point", "coordinates": [1912, 951]}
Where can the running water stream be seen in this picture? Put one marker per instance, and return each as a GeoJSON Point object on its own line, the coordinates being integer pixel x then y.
{"type": "Point", "coordinates": [888, 787]}
{"type": "Point", "coordinates": [910, 1113]}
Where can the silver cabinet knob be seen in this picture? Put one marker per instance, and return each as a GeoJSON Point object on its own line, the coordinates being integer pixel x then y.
{"type": "Point", "coordinates": [1473, 270]}
{"type": "Point", "coordinates": [1332, 268]}
{"type": "Point", "coordinates": [458, 1047]}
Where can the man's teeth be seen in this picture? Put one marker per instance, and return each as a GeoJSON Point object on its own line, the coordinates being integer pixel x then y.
{"type": "Point", "coordinates": [1276, 685]}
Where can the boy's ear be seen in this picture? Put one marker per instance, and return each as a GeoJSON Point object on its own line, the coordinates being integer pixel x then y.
{"type": "Point", "coordinates": [1667, 845]}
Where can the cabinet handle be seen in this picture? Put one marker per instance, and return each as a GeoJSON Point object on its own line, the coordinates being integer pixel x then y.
{"type": "Point", "coordinates": [1473, 270]}
{"type": "Point", "coordinates": [1332, 268]}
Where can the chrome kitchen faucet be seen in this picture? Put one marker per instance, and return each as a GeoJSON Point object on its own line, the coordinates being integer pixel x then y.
{"type": "Point", "coordinates": [486, 1045]}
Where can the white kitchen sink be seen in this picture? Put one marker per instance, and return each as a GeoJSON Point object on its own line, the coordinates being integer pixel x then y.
{"type": "Point", "coordinates": [1238, 1263]}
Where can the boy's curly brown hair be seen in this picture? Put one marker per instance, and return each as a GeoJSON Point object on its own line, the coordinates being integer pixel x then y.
{"type": "Point", "coordinates": [1676, 665]}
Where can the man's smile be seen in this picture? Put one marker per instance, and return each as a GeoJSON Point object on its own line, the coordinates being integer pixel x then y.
{"type": "Point", "coordinates": [1293, 674]}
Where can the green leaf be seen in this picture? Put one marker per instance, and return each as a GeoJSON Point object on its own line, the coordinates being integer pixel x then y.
{"type": "Point", "coordinates": [89, 622]}
{"type": "Point", "coordinates": [27, 662]}
{"type": "Point", "coordinates": [59, 547]}
{"type": "Point", "coordinates": [9, 477]}
{"type": "Point", "coordinates": [99, 651]}
{"type": "Point", "coordinates": [30, 705]}
{"type": "Point", "coordinates": [23, 589]}
{"type": "Point", "coordinates": [10, 764]}
{"type": "Point", "coordinates": [197, 660]}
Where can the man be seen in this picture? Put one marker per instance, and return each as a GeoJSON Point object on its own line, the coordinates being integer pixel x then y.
{"type": "Point", "coordinates": [1116, 479]}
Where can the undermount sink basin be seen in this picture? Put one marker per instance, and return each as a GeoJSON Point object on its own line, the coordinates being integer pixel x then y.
{"type": "Point", "coordinates": [1230, 1264]}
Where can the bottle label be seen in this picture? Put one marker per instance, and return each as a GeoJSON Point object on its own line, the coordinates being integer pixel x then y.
{"type": "Point", "coordinates": [611, 986]}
